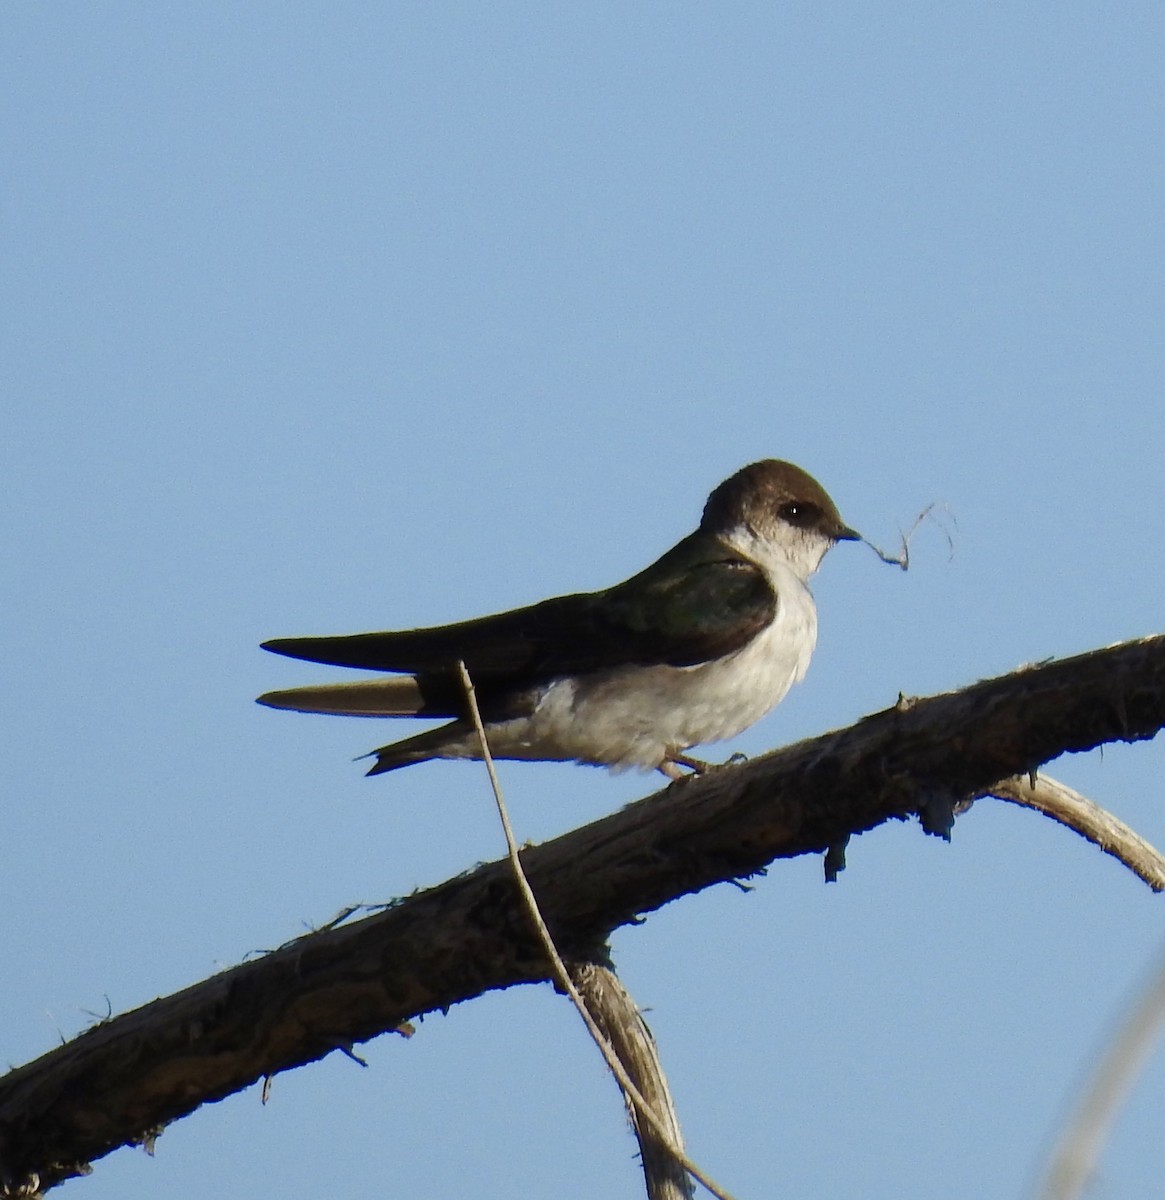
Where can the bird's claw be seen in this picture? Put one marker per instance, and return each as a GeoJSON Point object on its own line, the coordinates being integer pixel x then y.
{"type": "Point", "coordinates": [696, 766]}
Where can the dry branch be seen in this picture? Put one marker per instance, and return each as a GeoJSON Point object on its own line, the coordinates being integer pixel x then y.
{"type": "Point", "coordinates": [127, 1078]}
{"type": "Point", "coordinates": [622, 1024]}
{"type": "Point", "coordinates": [1098, 825]}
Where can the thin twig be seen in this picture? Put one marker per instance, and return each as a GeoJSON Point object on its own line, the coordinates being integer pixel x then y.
{"type": "Point", "coordinates": [1076, 1154]}
{"type": "Point", "coordinates": [1077, 812]}
{"type": "Point", "coordinates": [902, 558]}
{"type": "Point", "coordinates": [558, 967]}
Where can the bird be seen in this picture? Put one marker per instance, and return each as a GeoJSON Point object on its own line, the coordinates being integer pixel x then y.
{"type": "Point", "coordinates": [693, 649]}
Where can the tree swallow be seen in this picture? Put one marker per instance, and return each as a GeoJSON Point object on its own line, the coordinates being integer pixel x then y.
{"type": "Point", "coordinates": [694, 649]}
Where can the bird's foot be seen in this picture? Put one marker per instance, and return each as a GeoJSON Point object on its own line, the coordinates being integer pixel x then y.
{"type": "Point", "coordinates": [671, 766]}
{"type": "Point", "coordinates": [696, 766]}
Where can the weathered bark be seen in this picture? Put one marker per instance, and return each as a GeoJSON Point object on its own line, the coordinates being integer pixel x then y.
{"type": "Point", "coordinates": [125, 1079]}
{"type": "Point", "coordinates": [622, 1024]}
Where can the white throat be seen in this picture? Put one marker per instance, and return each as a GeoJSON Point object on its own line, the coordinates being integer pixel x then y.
{"type": "Point", "coordinates": [780, 549]}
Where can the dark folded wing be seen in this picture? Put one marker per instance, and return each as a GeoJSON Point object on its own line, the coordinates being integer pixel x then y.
{"type": "Point", "coordinates": [690, 606]}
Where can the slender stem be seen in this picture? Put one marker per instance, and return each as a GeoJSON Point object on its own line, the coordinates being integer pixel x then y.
{"type": "Point", "coordinates": [1076, 1154]}
{"type": "Point", "coordinates": [558, 967]}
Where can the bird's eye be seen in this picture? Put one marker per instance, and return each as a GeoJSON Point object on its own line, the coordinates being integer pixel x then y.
{"type": "Point", "coordinates": [799, 512]}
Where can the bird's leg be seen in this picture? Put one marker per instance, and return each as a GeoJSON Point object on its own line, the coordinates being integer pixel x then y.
{"type": "Point", "coordinates": [697, 766]}
{"type": "Point", "coordinates": [671, 765]}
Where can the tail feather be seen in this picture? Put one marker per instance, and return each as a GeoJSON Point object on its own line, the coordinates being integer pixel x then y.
{"type": "Point", "coordinates": [397, 697]}
{"type": "Point", "coordinates": [400, 696]}
{"type": "Point", "coordinates": [446, 741]}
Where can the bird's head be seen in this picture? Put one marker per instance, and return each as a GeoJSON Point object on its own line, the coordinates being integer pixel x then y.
{"type": "Point", "coordinates": [772, 511]}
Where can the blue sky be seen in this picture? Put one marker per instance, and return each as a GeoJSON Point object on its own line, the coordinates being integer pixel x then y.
{"type": "Point", "coordinates": [318, 320]}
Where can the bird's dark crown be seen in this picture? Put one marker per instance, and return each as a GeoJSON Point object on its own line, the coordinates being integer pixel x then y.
{"type": "Point", "coordinates": [772, 490]}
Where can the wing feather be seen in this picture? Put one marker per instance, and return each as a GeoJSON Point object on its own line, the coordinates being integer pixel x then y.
{"type": "Point", "coordinates": [698, 602]}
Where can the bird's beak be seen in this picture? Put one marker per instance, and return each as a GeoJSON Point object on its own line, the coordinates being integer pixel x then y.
{"type": "Point", "coordinates": [846, 534]}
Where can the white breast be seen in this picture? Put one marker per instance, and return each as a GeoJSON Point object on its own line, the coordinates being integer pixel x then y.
{"type": "Point", "coordinates": [637, 716]}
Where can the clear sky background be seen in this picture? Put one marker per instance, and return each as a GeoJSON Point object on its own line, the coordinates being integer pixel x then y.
{"type": "Point", "coordinates": [319, 319]}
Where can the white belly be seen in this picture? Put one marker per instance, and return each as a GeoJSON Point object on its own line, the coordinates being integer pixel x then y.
{"type": "Point", "coordinates": [637, 716]}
